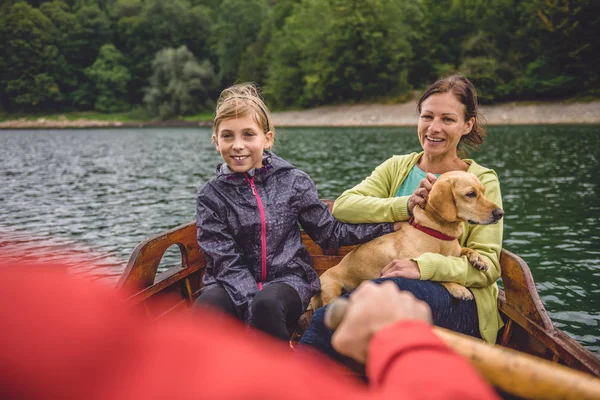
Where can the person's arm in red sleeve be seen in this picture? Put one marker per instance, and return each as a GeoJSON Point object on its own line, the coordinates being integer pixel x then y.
{"type": "Point", "coordinates": [409, 355]}
{"type": "Point", "coordinates": [390, 331]}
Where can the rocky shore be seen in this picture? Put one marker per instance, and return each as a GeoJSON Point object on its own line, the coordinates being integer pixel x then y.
{"type": "Point", "coordinates": [365, 115]}
{"type": "Point", "coordinates": [406, 114]}
{"type": "Point", "coordinates": [63, 123]}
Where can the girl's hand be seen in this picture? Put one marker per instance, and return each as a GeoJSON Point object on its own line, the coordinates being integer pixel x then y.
{"type": "Point", "coordinates": [421, 193]}
{"type": "Point", "coordinates": [401, 269]}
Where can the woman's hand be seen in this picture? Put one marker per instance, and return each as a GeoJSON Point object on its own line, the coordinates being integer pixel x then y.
{"type": "Point", "coordinates": [373, 307]}
{"type": "Point", "coordinates": [401, 269]}
{"type": "Point", "coordinates": [421, 193]}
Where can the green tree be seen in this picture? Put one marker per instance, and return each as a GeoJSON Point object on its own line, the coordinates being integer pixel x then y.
{"type": "Point", "coordinates": [29, 58]}
{"type": "Point", "coordinates": [255, 60]}
{"type": "Point", "coordinates": [110, 78]}
{"type": "Point", "coordinates": [160, 24]}
{"type": "Point", "coordinates": [437, 40]}
{"type": "Point", "coordinates": [212, 4]}
{"type": "Point", "coordinates": [95, 31]}
{"type": "Point", "coordinates": [357, 50]}
{"type": "Point", "coordinates": [126, 8]}
{"type": "Point", "coordinates": [69, 74]}
{"type": "Point", "coordinates": [238, 23]}
{"type": "Point", "coordinates": [562, 48]}
{"type": "Point", "coordinates": [179, 84]}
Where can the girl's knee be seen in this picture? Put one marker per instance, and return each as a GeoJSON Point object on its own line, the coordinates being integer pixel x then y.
{"type": "Point", "coordinates": [266, 305]}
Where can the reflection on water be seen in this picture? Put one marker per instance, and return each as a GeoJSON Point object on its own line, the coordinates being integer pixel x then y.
{"type": "Point", "coordinates": [108, 189]}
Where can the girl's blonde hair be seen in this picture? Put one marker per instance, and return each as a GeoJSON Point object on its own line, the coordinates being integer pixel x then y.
{"type": "Point", "coordinates": [239, 101]}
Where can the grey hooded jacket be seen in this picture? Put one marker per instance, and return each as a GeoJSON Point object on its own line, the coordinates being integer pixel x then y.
{"type": "Point", "coordinates": [230, 230]}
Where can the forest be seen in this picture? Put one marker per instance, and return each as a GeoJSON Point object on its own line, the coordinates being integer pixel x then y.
{"type": "Point", "coordinates": [171, 58]}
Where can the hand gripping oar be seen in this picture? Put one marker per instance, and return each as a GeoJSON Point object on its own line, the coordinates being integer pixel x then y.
{"type": "Point", "coordinates": [513, 372]}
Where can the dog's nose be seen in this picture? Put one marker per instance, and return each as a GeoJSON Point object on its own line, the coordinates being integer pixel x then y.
{"type": "Point", "coordinates": [497, 213]}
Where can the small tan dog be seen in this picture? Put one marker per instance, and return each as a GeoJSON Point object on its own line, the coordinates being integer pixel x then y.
{"type": "Point", "coordinates": [455, 197]}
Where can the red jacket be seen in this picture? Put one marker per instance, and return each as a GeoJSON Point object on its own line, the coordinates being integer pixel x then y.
{"type": "Point", "coordinates": [64, 338]}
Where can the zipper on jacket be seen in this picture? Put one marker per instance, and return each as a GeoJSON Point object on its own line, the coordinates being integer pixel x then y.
{"type": "Point", "coordinates": [263, 231]}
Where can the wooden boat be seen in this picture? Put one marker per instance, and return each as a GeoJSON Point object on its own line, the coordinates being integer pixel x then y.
{"type": "Point", "coordinates": [528, 328]}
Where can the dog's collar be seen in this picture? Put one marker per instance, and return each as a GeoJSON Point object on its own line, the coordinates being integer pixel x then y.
{"type": "Point", "coordinates": [429, 231]}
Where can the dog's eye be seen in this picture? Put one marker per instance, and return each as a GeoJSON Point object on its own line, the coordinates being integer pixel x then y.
{"type": "Point", "coordinates": [471, 194]}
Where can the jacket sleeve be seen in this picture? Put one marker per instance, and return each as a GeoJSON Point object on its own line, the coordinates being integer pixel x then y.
{"type": "Point", "coordinates": [485, 239]}
{"type": "Point", "coordinates": [224, 257]}
{"type": "Point", "coordinates": [323, 228]}
{"type": "Point", "coordinates": [407, 358]}
{"type": "Point", "coordinates": [372, 200]}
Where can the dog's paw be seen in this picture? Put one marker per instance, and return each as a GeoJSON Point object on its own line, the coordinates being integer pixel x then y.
{"type": "Point", "coordinates": [479, 263]}
{"type": "Point", "coordinates": [458, 291]}
{"type": "Point", "coordinates": [316, 302]}
{"type": "Point", "coordinates": [464, 294]}
{"type": "Point", "coordinates": [476, 260]}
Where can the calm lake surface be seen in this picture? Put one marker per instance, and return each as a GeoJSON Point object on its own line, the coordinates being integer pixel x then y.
{"type": "Point", "coordinates": [96, 194]}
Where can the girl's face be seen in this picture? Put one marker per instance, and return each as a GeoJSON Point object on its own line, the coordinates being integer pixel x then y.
{"type": "Point", "coordinates": [241, 142]}
{"type": "Point", "coordinates": [442, 124]}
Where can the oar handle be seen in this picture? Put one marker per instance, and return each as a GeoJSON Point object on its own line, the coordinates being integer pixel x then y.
{"type": "Point", "coordinates": [513, 372]}
{"type": "Point", "coordinates": [335, 312]}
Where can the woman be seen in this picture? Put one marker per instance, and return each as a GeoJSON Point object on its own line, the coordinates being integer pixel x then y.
{"type": "Point", "coordinates": [449, 123]}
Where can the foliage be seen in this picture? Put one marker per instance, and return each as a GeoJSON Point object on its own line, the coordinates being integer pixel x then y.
{"type": "Point", "coordinates": [356, 50]}
{"type": "Point", "coordinates": [94, 32]}
{"type": "Point", "coordinates": [110, 78]}
{"type": "Point", "coordinates": [562, 35]}
{"type": "Point", "coordinates": [160, 25]}
{"type": "Point", "coordinates": [79, 54]}
{"type": "Point", "coordinates": [67, 39]}
{"type": "Point", "coordinates": [28, 68]}
{"type": "Point", "coordinates": [179, 85]}
{"type": "Point", "coordinates": [238, 23]}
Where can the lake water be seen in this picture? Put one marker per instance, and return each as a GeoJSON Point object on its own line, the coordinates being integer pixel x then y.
{"type": "Point", "coordinates": [96, 194]}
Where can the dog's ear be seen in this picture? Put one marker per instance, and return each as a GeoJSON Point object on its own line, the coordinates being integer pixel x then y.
{"type": "Point", "coordinates": [442, 200]}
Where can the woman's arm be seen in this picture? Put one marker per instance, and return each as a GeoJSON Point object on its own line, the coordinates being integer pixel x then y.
{"type": "Point", "coordinates": [485, 239]}
{"type": "Point", "coordinates": [373, 199]}
{"type": "Point", "coordinates": [224, 257]}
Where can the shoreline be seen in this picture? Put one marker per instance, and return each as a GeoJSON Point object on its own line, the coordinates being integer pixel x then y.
{"type": "Point", "coordinates": [359, 115]}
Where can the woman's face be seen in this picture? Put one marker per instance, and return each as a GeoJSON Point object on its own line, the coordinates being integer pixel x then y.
{"type": "Point", "coordinates": [442, 124]}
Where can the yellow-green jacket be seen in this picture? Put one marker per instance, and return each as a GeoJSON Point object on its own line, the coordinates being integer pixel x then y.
{"type": "Point", "coordinates": [374, 200]}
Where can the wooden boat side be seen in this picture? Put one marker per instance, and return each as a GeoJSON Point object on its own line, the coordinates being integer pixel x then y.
{"type": "Point", "coordinates": [528, 327]}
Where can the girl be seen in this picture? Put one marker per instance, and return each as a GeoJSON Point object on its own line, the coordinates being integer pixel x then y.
{"type": "Point", "coordinates": [247, 220]}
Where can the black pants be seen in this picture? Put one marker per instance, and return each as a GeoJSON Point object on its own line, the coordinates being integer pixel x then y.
{"type": "Point", "coordinates": [275, 308]}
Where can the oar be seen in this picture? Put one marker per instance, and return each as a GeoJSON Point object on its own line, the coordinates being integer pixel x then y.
{"type": "Point", "coordinates": [513, 372]}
